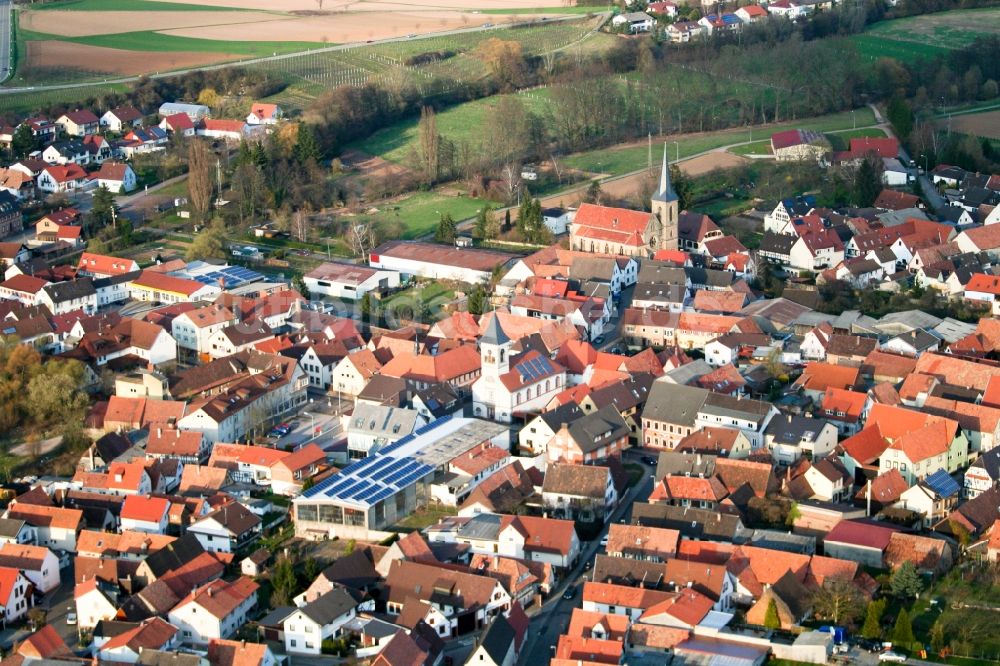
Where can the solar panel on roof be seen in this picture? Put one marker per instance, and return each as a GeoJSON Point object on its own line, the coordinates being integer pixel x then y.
{"type": "Point", "coordinates": [381, 495]}
{"type": "Point", "coordinates": [363, 488]}
{"type": "Point", "coordinates": [942, 483]}
{"type": "Point", "coordinates": [380, 463]}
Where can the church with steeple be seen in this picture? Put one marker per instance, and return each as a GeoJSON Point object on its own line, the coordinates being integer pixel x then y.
{"type": "Point", "coordinates": [607, 230]}
{"type": "Point", "coordinates": [510, 388]}
{"type": "Point", "coordinates": [665, 207]}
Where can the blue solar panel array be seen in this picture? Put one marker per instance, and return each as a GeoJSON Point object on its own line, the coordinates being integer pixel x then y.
{"type": "Point", "coordinates": [371, 480]}
{"type": "Point", "coordinates": [535, 368]}
{"type": "Point", "coordinates": [942, 483]}
{"type": "Point", "coordinates": [230, 276]}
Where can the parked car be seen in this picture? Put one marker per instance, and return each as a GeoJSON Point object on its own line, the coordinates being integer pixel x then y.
{"type": "Point", "coordinates": [604, 541]}
{"type": "Point", "coordinates": [570, 592]}
{"type": "Point", "coordinates": [892, 657]}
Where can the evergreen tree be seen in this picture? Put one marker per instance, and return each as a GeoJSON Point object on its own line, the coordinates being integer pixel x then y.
{"type": "Point", "coordinates": [506, 221]}
{"type": "Point", "coordinates": [593, 194]}
{"type": "Point", "coordinates": [446, 229]}
{"type": "Point", "coordinates": [900, 115]}
{"type": "Point", "coordinates": [872, 628]}
{"type": "Point", "coordinates": [906, 582]}
{"type": "Point", "coordinates": [902, 631]}
{"type": "Point", "coordinates": [366, 307]}
{"type": "Point", "coordinates": [306, 148]}
{"type": "Point", "coordinates": [771, 618]}
{"type": "Point", "coordinates": [477, 300]}
{"type": "Point", "coordinates": [243, 155]}
{"type": "Point", "coordinates": [867, 183]}
{"type": "Point", "coordinates": [259, 155]}
{"type": "Point", "coordinates": [103, 211]}
{"type": "Point", "coordinates": [682, 186]}
{"type": "Point", "coordinates": [23, 141]}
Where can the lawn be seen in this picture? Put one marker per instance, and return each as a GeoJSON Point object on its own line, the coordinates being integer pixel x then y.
{"type": "Point", "coordinates": [461, 123]}
{"type": "Point", "coordinates": [618, 161]}
{"type": "Point", "coordinates": [420, 213]}
{"type": "Point", "coordinates": [425, 517]}
{"type": "Point", "coordinates": [874, 47]}
{"type": "Point", "coordinates": [23, 103]}
{"type": "Point", "coordinates": [755, 148]}
{"type": "Point", "coordinates": [149, 40]}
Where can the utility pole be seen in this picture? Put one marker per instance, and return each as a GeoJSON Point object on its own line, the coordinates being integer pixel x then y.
{"type": "Point", "coordinates": [649, 154]}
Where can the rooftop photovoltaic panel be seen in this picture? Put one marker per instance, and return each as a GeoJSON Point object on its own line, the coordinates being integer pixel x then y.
{"type": "Point", "coordinates": [942, 483]}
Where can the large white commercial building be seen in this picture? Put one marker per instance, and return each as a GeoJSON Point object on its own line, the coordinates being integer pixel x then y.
{"type": "Point", "coordinates": [438, 262]}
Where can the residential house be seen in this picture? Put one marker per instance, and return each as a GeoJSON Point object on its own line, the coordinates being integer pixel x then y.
{"type": "Point", "coordinates": [580, 492]}
{"type": "Point", "coordinates": [321, 619]}
{"type": "Point", "coordinates": [78, 123]}
{"type": "Point", "coordinates": [229, 529]}
{"type": "Point", "coordinates": [215, 610]}
{"type": "Point", "coordinates": [121, 118]}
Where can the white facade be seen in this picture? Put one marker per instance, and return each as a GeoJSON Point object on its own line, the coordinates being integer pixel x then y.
{"type": "Point", "coordinates": [17, 604]}
{"type": "Point", "coordinates": [304, 635]}
{"type": "Point", "coordinates": [352, 289]}
{"type": "Point", "coordinates": [92, 607]}
{"type": "Point", "coordinates": [198, 626]}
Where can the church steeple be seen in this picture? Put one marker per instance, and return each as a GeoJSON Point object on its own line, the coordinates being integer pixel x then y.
{"type": "Point", "coordinates": [665, 206]}
{"type": "Point", "coordinates": [666, 191]}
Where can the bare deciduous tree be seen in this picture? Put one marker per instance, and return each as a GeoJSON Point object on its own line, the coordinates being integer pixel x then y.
{"type": "Point", "coordinates": [361, 238]}
{"type": "Point", "coordinates": [300, 225]}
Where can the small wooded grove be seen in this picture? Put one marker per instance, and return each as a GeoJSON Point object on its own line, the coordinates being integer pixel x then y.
{"type": "Point", "coordinates": [38, 395]}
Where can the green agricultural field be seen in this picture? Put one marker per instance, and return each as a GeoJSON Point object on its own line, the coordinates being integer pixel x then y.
{"type": "Point", "coordinates": [618, 161]}
{"type": "Point", "coordinates": [19, 104]}
{"type": "Point", "coordinates": [421, 212]}
{"type": "Point", "coordinates": [928, 35]}
{"type": "Point", "coordinates": [544, 10]}
{"type": "Point", "coordinates": [460, 123]}
{"type": "Point", "coordinates": [148, 40]}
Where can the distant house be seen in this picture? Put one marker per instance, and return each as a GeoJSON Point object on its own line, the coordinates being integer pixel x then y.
{"type": "Point", "coordinates": [215, 610]}
{"type": "Point", "coordinates": [62, 178]}
{"type": "Point", "coordinates": [121, 118]}
{"type": "Point", "coordinates": [178, 123]}
{"type": "Point", "coordinates": [117, 177]}
{"type": "Point", "coordinates": [682, 32]}
{"type": "Point", "coordinates": [78, 123]}
{"type": "Point", "coordinates": [264, 114]}
{"type": "Point", "coordinates": [634, 22]}
{"type": "Point", "coordinates": [344, 280]}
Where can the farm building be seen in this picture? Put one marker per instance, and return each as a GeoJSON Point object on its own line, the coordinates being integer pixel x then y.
{"type": "Point", "coordinates": [343, 280]}
{"type": "Point", "coordinates": [797, 144]}
{"type": "Point", "coordinates": [438, 262]}
{"type": "Point", "coordinates": [195, 112]}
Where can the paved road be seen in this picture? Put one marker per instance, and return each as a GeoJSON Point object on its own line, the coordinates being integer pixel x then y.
{"type": "Point", "coordinates": [276, 57]}
{"type": "Point", "coordinates": [6, 22]}
{"type": "Point", "coordinates": [550, 620]}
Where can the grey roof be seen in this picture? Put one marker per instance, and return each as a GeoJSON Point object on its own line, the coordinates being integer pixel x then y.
{"type": "Point", "coordinates": [481, 526]}
{"type": "Point", "coordinates": [710, 277]}
{"type": "Point", "coordinates": [990, 462]}
{"type": "Point", "coordinates": [909, 319]}
{"type": "Point", "coordinates": [328, 607]}
{"type": "Point", "coordinates": [690, 522]}
{"type": "Point", "coordinates": [598, 429]}
{"type": "Point", "coordinates": [161, 658]}
{"type": "Point", "coordinates": [383, 420]}
{"type": "Point", "coordinates": [894, 218]}
{"type": "Point", "coordinates": [10, 527]}
{"type": "Point", "coordinates": [659, 292]}
{"type": "Point", "coordinates": [592, 268]}
{"type": "Point", "coordinates": [674, 463]}
{"type": "Point", "coordinates": [791, 429]}
{"type": "Point", "coordinates": [562, 414]}
{"type": "Point", "coordinates": [726, 405]}
{"type": "Point", "coordinates": [661, 272]}
{"type": "Point", "coordinates": [687, 373]}
{"type": "Point", "coordinates": [383, 388]}
{"type": "Point", "coordinates": [276, 617]}
{"type": "Point", "coordinates": [497, 639]}
{"type": "Point", "coordinates": [784, 541]}
{"type": "Point", "coordinates": [780, 311]}
{"type": "Point", "coordinates": [67, 291]}
{"type": "Point", "coordinates": [673, 403]}
{"type": "Point", "coordinates": [494, 334]}
{"type": "Point", "coordinates": [777, 243]}
{"type": "Point", "coordinates": [919, 339]}
{"type": "Point", "coordinates": [101, 283]}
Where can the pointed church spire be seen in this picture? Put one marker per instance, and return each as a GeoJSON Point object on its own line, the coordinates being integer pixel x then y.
{"type": "Point", "coordinates": [666, 191]}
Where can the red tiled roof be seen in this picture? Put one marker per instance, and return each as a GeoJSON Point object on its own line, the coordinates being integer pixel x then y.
{"type": "Point", "coordinates": [866, 534]}
{"type": "Point", "coordinates": [147, 509]}
{"type": "Point", "coordinates": [24, 283]}
{"type": "Point", "coordinates": [104, 264]}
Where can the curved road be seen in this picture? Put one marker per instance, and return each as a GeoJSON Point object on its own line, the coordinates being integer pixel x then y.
{"type": "Point", "coordinates": [5, 59]}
